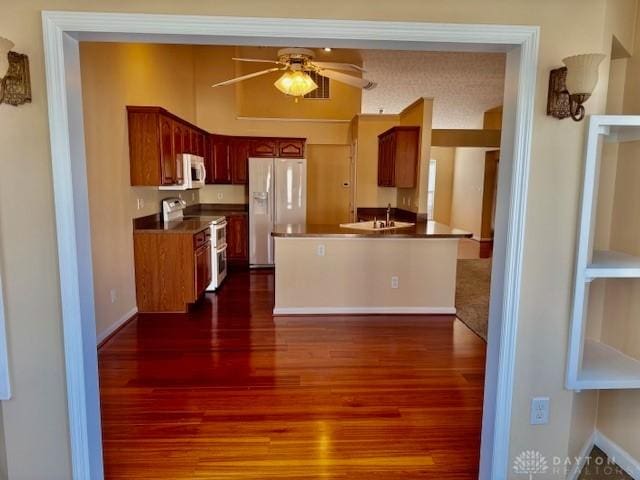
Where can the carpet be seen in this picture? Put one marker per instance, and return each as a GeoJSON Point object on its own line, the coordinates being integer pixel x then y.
{"type": "Point", "coordinates": [473, 285]}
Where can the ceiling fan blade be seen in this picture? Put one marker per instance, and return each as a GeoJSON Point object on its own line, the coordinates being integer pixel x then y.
{"type": "Point", "coordinates": [259, 60]}
{"type": "Point", "coordinates": [246, 77]}
{"type": "Point", "coordinates": [339, 66]}
{"type": "Point", "coordinates": [348, 79]}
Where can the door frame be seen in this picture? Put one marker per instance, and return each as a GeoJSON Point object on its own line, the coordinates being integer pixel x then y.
{"type": "Point", "coordinates": [62, 32]}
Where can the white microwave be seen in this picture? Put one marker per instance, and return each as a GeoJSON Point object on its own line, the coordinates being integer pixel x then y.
{"type": "Point", "coordinates": [194, 173]}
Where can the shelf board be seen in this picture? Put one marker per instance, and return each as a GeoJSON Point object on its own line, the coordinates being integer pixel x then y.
{"type": "Point", "coordinates": [604, 367]}
{"type": "Point", "coordinates": [612, 264]}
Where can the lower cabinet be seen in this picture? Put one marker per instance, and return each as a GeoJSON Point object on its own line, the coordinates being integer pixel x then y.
{"type": "Point", "coordinates": [202, 268]}
{"type": "Point", "coordinates": [172, 269]}
{"type": "Point", "coordinates": [238, 239]}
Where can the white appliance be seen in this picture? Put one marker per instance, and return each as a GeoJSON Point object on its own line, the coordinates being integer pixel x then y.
{"type": "Point", "coordinates": [218, 252]}
{"type": "Point", "coordinates": [172, 209]}
{"type": "Point", "coordinates": [194, 173]}
{"type": "Point", "coordinates": [277, 195]}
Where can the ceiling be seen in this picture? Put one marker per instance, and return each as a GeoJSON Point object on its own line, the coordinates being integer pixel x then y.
{"type": "Point", "coordinates": [463, 85]}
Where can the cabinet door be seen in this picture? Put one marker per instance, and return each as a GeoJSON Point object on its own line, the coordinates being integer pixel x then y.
{"type": "Point", "coordinates": [187, 147]}
{"type": "Point", "coordinates": [405, 152]}
{"type": "Point", "coordinates": [178, 149]}
{"type": "Point", "coordinates": [386, 166]}
{"type": "Point", "coordinates": [237, 238]}
{"type": "Point", "coordinates": [167, 151]}
{"type": "Point", "coordinates": [291, 148]}
{"type": "Point", "coordinates": [239, 158]}
{"type": "Point", "coordinates": [221, 169]}
{"type": "Point", "coordinates": [264, 147]}
{"type": "Point", "coordinates": [202, 268]}
{"type": "Point", "coordinates": [197, 143]}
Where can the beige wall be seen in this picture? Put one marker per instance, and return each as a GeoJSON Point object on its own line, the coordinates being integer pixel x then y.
{"type": "Point", "coordinates": [444, 157]}
{"type": "Point", "coordinates": [366, 131]}
{"type": "Point", "coordinates": [35, 422]}
{"type": "Point", "coordinates": [113, 76]}
{"type": "Point", "coordinates": [468, 187]}
{"type": "Point", "coordinates": [356, 273]}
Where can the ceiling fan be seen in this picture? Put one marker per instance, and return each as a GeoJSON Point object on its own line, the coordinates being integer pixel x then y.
{"type": "Point", "coordinates": [296, 63]}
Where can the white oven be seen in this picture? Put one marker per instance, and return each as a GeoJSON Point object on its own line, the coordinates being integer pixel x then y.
{"type": "Point", "coordinates": [218, 253]}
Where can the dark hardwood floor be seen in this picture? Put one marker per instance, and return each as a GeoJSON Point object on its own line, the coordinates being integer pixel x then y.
{"type": "Point", "coordinates": [230, 392]}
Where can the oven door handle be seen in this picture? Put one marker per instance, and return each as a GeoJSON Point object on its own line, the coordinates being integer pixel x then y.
{"type": "Point", "coordinates": [221, 249]}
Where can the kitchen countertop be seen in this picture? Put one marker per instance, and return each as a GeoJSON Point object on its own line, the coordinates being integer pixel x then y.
{"type": "Point", "coordinates": [419, 230]}
{"type": "Point", "coordinates": [188, 225]}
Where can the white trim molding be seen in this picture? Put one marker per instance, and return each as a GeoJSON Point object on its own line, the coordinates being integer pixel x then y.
{"type": "Point", "coordinates": [61, 32]}
{"type": "Point", "coordinates": [5, 383]}
{"type": "Point", "coordinates": [102, 336]}
{"type": "Point", "coordinates": [582, 457]}
{"type": "Point", "coordinates": [364, 311]}
{"type": "Point", "coordinates": [619, 455]}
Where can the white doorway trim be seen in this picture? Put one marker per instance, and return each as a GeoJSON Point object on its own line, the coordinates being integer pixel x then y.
{"type": "Point", "coordinates": [62, 32]}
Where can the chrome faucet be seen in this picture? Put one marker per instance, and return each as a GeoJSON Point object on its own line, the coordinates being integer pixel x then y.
{"type": "Point", "coordinates": [388, 215]}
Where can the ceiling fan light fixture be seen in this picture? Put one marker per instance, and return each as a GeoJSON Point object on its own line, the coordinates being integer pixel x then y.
{"type": "Point", "coordinates": [296, 84]}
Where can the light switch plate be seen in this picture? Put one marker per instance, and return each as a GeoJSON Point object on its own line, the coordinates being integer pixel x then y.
{"type": "Point", "coordinates": [539, 410]}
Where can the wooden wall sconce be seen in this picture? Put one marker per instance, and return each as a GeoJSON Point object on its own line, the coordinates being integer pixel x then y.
{"type": "Point", "coordinates": [571, 86]}
{"type": "Point", "coordinates": [15, 81]}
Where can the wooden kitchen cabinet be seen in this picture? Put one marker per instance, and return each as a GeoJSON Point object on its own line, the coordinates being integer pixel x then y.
{"type": "Point", "coordinates": [398, 151]}
{"type": "Point", "coordinates": [291, 147]}
{"type": "Point", "coordinates": [218, 162]}
{"type": "Point", "coordinates": [264, 147]}
{"type": "Point", "coordinates": [172, 269]}
{"type": "Point", "coordinates": [156, 138]}
{"type": "Point", "coordinates": [239, 152]}
{"type": "Point", "coordinates": [237, 239]}
{"type": "Point", "coordinates": [202, 268]}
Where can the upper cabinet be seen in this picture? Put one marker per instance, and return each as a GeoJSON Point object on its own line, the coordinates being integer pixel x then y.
{"type": "Point", "coordinates": [218, 162]}
{"type": "Point", "coordinates": [291, 147]}
{"type": "Point", "coordinates": [277, 147]}
{"type": "Point", "coordinates": [239, 153]}
{"type": "Point", "coordinates": [156, 139]}
{"type": "Point", "coordinates": [398, 151]}
{"type": "Point", "coordinates": [264, 147]}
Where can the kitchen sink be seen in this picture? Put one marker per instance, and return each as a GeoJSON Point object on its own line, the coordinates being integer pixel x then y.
{"type": "Point", "coordinates": [369, 225]}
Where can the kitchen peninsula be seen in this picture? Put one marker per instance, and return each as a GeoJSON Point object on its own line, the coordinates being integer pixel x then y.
{"type": "Point", "coordinates": [331, 269]}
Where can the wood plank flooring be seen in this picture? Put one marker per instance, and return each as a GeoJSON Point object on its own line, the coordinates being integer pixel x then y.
{"type": "Point", "coordinates": [230, 392]}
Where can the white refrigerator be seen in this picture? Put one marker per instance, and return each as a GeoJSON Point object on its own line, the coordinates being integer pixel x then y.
{"type": "Point", "coordinates": [277, 195]}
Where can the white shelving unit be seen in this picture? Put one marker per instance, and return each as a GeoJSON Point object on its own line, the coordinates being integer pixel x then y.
{"type": "Point", "coordinates": [592, 364]}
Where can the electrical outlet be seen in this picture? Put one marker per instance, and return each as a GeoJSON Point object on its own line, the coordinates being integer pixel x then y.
{"type": "Point", "coordinates": [539, 410]}
{"type": "Point", "coordinates": [395, 282]}
{"type": "Point", "coordinates": [320, 250]}
{"type": "Point", "coordinates": [140, 203]}
{"type": "Point", "coordinates": [193, 196]}
{"type": "Point", "coordinates": [180, 196]}
{"type": "Point", "coordinates": [114, 295]}
{"type": "Point", "coordinates": [220, 195]}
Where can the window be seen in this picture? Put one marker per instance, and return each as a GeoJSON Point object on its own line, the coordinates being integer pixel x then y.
{"type": "Point", "coordinates": [322, 92]}
{"type": "Point", "coordinates": [431, 189]}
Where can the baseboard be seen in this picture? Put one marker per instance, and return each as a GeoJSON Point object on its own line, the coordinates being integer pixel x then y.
{"type": "Point", "coordinates": [364, 311]}
{"type": "Point", "coordinates": [102, 337]}
{"type": "Point", "coordinates": [619, 455]}
{"type": "Point", "coordinates": [574, 473]}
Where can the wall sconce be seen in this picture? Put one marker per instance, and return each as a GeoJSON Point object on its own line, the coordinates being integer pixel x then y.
{"type": "Point", "coordinates": [15, 82]}
{"type": "Point", "coordinates": [571, 86]}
